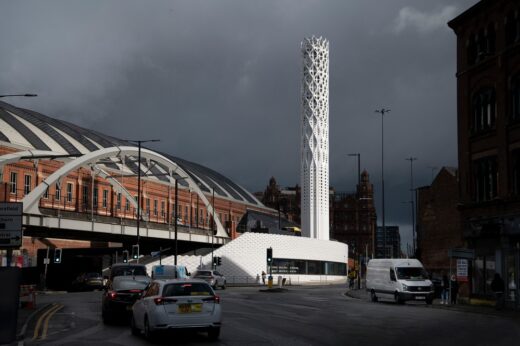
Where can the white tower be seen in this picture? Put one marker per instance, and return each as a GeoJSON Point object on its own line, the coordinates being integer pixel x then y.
{"type": "Point", "coordinates": [315, 139]}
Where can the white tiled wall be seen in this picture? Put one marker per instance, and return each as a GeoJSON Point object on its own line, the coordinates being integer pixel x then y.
{"type": "Point", "coordinates": [245, 257]}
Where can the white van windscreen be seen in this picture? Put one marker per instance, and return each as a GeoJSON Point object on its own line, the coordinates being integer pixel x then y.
{"type": "Point", "coordinates": [411, 273]}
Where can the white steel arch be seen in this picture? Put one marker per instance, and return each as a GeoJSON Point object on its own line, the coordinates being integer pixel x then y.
{"type": "Point", "coordinates": [30, 201]}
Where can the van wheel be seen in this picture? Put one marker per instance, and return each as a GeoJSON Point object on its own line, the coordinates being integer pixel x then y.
{"type": "Point", "coordinates": [373, 296]}
{"type": "Point", "coordinates": [397, 298]}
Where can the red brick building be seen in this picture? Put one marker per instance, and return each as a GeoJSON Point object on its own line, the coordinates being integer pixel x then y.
{"type": "Point", "coordinates": [438, 221]}
{"type": "Point", "coordinates": [488, 108]}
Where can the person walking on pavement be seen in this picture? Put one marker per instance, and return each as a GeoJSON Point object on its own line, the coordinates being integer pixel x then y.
{"type": "Point", "coordinates": [454, 289]}
{"type": "Point", "coordinates": [445, 284]}
{"type": "Point", "coordinates": [498, 287]}
{"type": "Point", "coordinates": [263, 277]}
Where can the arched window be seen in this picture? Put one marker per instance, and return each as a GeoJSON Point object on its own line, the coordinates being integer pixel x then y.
{"type": "Point", "coordinates": [483, 110]}
{"type": "Point", "coordinates": [512, 27]}
{"type": "Point", "coordinates": [515, 98]}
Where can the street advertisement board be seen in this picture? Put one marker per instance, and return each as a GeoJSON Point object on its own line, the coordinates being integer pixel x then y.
{"type": "Point", "coordinates": [462, 270]}
{"type": "Point", "coordinates": [10, 224]}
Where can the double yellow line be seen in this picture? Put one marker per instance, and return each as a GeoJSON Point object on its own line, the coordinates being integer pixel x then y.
{"type": "Point", "coordinates": [44, 319]}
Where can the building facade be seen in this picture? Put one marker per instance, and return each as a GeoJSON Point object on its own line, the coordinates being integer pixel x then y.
{"type": "Point", "coordinates": [392, 242]}
{"type": "Point", "coordinates": [488, 119]}
{"type": "Point", "coordinates": [353, 218]}
{"type": "Point", "coordinates": [315, 138]}
{"type": "Point", "coordinates": [438, 221]}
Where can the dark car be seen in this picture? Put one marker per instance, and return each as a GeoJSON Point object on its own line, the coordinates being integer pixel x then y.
{"type": "Point", "coordinates": [88, 281]}
{"type": "Point", "coordinates": [119, 296]}
{"type": "Point", "coordinates": [127, 269]}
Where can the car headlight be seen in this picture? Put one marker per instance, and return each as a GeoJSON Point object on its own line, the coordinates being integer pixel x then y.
{"type": "Point", "coordinates": [405, 288]}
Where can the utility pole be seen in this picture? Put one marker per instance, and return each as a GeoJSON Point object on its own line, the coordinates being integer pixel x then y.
{"type": "Point", "coordinates": [383, 111]}
{"type": "Point", "coordinates": [139, 143]}
{"type": "Point", "coordinates": [412, 202]}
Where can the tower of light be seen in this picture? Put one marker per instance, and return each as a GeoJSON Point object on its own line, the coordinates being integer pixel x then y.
{"type": "Point", "coordinates": [315, 138]}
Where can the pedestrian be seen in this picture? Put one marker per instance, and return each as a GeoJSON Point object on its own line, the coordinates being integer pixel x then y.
{"type": "Point", "coordinates": [445, 284]}
{"type": "Point", "coordinates": [454, 289]}
{"type": "Point", "coordinates": [263, 277]}
{"type": "Point", "coordinates": [498, 287]}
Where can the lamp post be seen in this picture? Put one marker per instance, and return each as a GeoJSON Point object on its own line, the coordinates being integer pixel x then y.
{"type": "Point", "coordinates": [212, 224]}
{"type": "Point", "coordinates": [383, 111]}
{"type": "Point", "coordinates": [412, 202]}
{"type": "Point", "coordinates": [22, 95]}
{"type": "Point", "coordinates": [139, 142]}
{"type": "Point", "coordinates": [176, 213]}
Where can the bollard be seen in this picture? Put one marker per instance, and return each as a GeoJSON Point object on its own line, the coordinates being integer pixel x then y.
{"type": "Point", "coordinates": [270, 281]}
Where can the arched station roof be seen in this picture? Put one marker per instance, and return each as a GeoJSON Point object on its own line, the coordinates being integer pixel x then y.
{"type": "Point", "coordinates": [30, 130]}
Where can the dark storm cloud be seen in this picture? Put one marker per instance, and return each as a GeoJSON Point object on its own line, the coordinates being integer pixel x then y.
{"type": "Point", "coordinates": [218, 81]}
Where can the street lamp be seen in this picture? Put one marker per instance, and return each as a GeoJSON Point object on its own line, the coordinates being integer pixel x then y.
{"type": "Point", "coordinates": [383, 111]}
{"type": "Point", "coordinates": [22, 95]}
{"type": "Point", "coordinates": [139, 142]}
{"type": "Point", "coordinates": [176, 213]}
{"type": "Point", "coordinates": [412, 202]}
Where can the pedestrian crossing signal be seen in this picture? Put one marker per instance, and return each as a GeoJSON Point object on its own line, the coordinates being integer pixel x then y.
{"type": "Point", "coordinates": [269, 255]}
{"type": "Point", "coordinates": [125, 256]}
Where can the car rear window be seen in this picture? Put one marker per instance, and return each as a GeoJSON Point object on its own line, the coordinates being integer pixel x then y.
{"type": "Point", "coordinates": [203, 273]}
{"type": "Point", "coordinates": [129, 284]}
{"type": "Point", "coordinates": [187, 289]}
{"type": "Point", "coordinates": [127, 271]}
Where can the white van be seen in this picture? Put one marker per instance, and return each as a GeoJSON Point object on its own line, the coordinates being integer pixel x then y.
{"type": "Point", "coordinates": [400, 279]}
{"type": "Point", "coordinates": [169, 272]}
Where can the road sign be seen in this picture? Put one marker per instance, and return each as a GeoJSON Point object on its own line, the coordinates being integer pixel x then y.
{"type": "Point", "coordinates": [462, 253]}
{"type": "Point", "coordinates": [10, 224]}
{"type": "Point", "coordinates": [462, 269]}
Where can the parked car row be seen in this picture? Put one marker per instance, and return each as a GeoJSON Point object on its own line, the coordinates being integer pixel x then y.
{"type": "Point", "coordinates": [155, 306]}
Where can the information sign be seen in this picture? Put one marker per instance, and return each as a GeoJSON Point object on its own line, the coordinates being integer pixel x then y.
{"type": "Point", "coordinates": [10, 224]}
{"type": "Point", "coordinates": [462, 269]}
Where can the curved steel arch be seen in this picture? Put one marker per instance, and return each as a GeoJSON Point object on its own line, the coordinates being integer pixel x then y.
{"type": "Point", "coordinates": [30, 201]}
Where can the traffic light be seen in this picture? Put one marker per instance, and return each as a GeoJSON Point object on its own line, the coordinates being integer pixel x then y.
{"type": "Point", "coordinates": [57, 255]}
{"type": "Point", "coordinates": [219, 261]}
{"type": "Point", "coordinates": [214, 261]}
{"type": "Point", "coordinates": [135, 251]}
{"type": "Point", "coordinates": [269, 255]}
{"type": "Point", "coordinates": [125, 256]}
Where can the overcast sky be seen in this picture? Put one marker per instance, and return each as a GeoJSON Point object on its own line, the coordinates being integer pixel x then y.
{"type": "Point", "coordinates": [218, 81]}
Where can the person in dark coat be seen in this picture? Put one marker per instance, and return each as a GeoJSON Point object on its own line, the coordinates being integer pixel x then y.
{"type": "Point", "coordinates": [498, 287]}
{"type": "Point", "coordinates": [454, 289]}
{"type": "Point", "coordinates": [445, 284]}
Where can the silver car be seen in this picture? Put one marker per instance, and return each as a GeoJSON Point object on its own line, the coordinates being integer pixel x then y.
{"type": "Point", "coordinates": [212, 277]}
{"type": "Point", "coordinates": [177, 304]}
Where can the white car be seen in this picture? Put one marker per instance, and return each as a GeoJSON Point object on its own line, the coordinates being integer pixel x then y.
{"type": "Point", "coordinates": [177, 304]}
{"type": "Point", "coordinates": [212, 277]}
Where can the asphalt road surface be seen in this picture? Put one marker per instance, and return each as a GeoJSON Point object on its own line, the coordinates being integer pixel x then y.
{"type": "Point", "coordinates": [300, 316]}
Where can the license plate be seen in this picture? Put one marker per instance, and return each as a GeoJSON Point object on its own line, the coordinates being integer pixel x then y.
{"type": "Point", "coordinates": [187, 308]}
{"type": "Point", "coordinates": [420, 297]}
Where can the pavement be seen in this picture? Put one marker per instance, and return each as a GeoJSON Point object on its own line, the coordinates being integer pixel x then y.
{"type": "Point", "coordinates": [487, 309]}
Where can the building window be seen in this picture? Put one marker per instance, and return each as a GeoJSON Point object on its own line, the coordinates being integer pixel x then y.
{"type": "Point", "coordinates": [515, 99]}
{"type": "Point", "coordinates": [127, 204]}
{"type": "Point", "coordinates": [148, 206]}
{"type": "Point", "coordinates": [155, 206]}
{"type": "Point", "coordinates": [105, 198]}
{"type": "Point", "coordinates": [46, 193]}
{"type": "Point", "coordinates": [485, 178]}
{"type": "Point", "coordinates": [13, 182]}
{"type": "Point", "coordinates": [69, 192]}
{"type": "Point", "coordinates": [118, 201]}
{"type": "Point", "coordinates": [163, 208]}
{"type": "Point", "coordinates": [27, 182]}
{"type": "Point", "coordinates": [57, 195]}
{"type": "Point", "coordinates": [95, 197]}
{"type": "Point", "coordinates": [85, 195]}
{"type": "Point", "coordinates": [515, 174]}
{"type": "Point", "coordinates": [481, 44]}
{"type": "Point", "coordinates": [484, 110]}
{"type": "Point", "coordinates": [512, 28]}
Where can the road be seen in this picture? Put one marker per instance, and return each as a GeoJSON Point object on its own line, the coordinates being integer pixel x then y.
{"type": "Point", "coordinates": [300, 316]}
